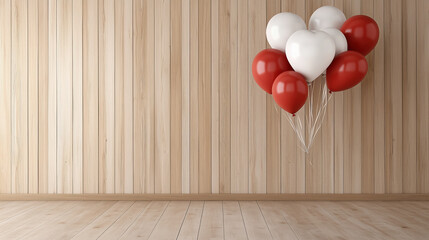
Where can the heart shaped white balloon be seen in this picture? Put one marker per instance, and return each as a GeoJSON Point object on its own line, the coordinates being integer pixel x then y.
{"type": "Point", "coordinates": [310, 52]}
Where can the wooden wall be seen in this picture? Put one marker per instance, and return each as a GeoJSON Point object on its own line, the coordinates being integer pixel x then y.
{"type": "Point", "coordinates": [157, 96]}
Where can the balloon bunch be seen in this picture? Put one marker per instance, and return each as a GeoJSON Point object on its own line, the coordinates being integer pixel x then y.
{"type": "Point", "coordinates": [333, 45]}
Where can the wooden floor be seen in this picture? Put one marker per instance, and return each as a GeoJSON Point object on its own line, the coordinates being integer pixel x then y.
{"type": "Point", "coordinates": [213, 220]}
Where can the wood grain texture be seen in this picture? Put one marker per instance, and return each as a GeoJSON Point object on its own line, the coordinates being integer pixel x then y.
{"type": "Point", "coordinates": [224, 97]}
{"type": "Point", "coordinates": [90, 96]}
{"type": "Point", "coordinates": [176, 97]}
{"type": "Point", "coordinates": [106, 93]}
{"type": "Point", "coordinates": [162, 96]}
{"type": "Point", "coordinates": [77, 97]}
{"type": "Point", "coordinates": [422, 98]}
{"type": "Point", "coordinates": [274, 131]}
{"type": "Point", "coordinates": [257, 102]}
{"type": "Point", "coordinates": [19, 100]}
{"type": "Point", "coordinates": [33, 96]}
{"type": "Point", "coordinates": [64, 97]}
{"type": "Point", "coordinates": [5, 94]}
{"type": "Point", "coordinates": [204, 97]}
{"type": "Point", "coordinates": [231, 220]}
{"type": "Point", "coordinates": [144, 97]}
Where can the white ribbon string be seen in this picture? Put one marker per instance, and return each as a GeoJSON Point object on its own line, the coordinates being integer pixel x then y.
{"type": "Point", "coordinates": [314, 114]}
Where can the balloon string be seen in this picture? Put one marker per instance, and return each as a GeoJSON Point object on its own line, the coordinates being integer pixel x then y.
{"type": "Point", "coordinates": [315, 112]}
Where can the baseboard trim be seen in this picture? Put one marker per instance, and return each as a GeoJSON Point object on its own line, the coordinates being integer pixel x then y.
{"type": "Point", "coordinates": [214, 197]}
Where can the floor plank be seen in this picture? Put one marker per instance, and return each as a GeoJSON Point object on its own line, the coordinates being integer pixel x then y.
{"type": "Point", "coordinates": [277, 224]}
{"type": "Point", "coordinates": [191, 224]}
{"type": "Point", "coordinates": [146, 222]}
{"type": "Point", "coordinates": [212, 221]}
{"type": "Point", "coordinates": [20, 225]}
{"type": "Point", "coordinates": [169, 225]}
{"type": "Point", "coordinates": [71, 222]}
{"type": "Point", "coordinates": [103, 222]}
{"type": "Point", "coordinates": [117, 229]}
{"type": "Point", "coordinates": [256, 226]}
{"type": "Point", "coordinates": [233, 221]}
{"type": "Point", "coordinates": [10, 209]}
{"type": "Point", "coordinates": [308, 222]}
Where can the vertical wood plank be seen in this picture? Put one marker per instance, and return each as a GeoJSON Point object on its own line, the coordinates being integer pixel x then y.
{"type": "Point", "coordinates": [19, 97]}
{"type": "Point", "coordinates": [162, 96]}
{"type": "Point", "coordinates": [422, 97]}
{"type": "Point", "coordinates": [176, 96]}
{"type": "Point", "coordinates": [328, 134]}
{"type": "Point", "coordinates": [106, 96]}
{"type": "Point", "coordinates": [215, 95]}
{"type": "Point", "coordinates": [393, 96]}
{"type": "Point", "coordinates": [77, 97]}
{"type": "Point", "coordinates": [347, 119]}
{"type": "Point", "coordinates": [193, 96]}
{"type": "Point", "coordinates": [379, 142]}
{"type": "Point", "coordinates": [352, 124]}
{"type": "Point", "coordinates": [64, 97]}
{"type": "Point", "coordinates": [300, 9]}
{"type": "Point", "coordinates": [233, 58]}
{"type": "Point", "coordinates": [314, 158]}
{"type": "Point", "coordinates": [409, 91]}
{"type": "Point", "coordinates": [52, 97]}
{"type": "Point", "coordinates": [339, 130]}
{"type": "Point", "coordinates": [43, 74]}
{"type": "Point", "coordinates": [204, 96]}
{"type": "Point", "coordinates": [367, 103]}
{"type": "Point", "coordinates": [240, 104]}
{"type": "Point", "coordinates": [273, 125]}
{"type": "Point", "coordinates": [185, 96]}
{"type": "Point", "coordinates": [119, 97]}
{"type": "Point", "coordinates": [144, 97]}
{"type": "Point", "coordinates": [224, 97]}
{"type": "Point", "coordinates": [5, 94]}
{"type": "Point", "coordinates": [123, 97]}
{"type": "Point", "coordinates": [90, 96]}
{"type": "Point", "coordinates": [139, 14]}
{"type": "Point", "coordinates": [33, 97]}
{"type": "Point", "coordinates": [257, 102]}
{"type": "Point", "coordinates": [356, 124]}
{"type": "Point", "coordinates": [128, 96]}
{"type": "Point", "coordinates": [288, 141]}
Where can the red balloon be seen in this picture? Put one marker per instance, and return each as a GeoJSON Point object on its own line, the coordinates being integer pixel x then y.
{"type": "Point", "coordinates": [290, 91]}
{"type": "Point", "coordinates": [267, 65]}
{"type": "Point", "coordinates": [346, 70]}
{"type": "Point", "coordinates": [361, 33]}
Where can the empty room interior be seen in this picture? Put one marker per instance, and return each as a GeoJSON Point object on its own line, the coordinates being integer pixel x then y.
{"type": "Point", "coordinates": [214, 119]}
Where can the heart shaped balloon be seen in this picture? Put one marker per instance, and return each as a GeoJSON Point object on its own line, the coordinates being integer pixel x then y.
{"type": "Point", "coordinates": [310, 52]}
{"type": "Point", "coordinates": [347, 70]}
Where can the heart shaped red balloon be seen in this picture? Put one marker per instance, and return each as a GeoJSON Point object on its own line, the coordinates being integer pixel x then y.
{"type": "Point", "coordinates": [290, 91]}
{"type": "Point", "coordinates": [346, 70]}
{"type": "Point", "coordinates": [267, 65]}
{"type": "Point", "coordinates": [361, 33]}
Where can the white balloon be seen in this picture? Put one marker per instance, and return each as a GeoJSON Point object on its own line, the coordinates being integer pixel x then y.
{"type": "Point", "coordinates": [310, 53]}
{"type": "Point", "coordinates": [326, 17]}
{"type": "Point", "coordinates": [280, 27]}
{"type": "Point", "coordinates": [339, 39]}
